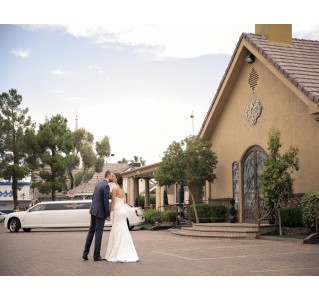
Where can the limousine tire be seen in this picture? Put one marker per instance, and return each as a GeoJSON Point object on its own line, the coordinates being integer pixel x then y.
{"type": "Point", "coordinates": [26, 229]}
{"type": "Point", "coordinates": [14, 225]}
{"type": "Point", "coordinates": [128, 225]}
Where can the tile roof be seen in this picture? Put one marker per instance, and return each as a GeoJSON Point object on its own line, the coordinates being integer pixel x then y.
{"type": "Point", "coordinates": [298, 62]}
{"type": "Point", "coordinates": [88, 187]}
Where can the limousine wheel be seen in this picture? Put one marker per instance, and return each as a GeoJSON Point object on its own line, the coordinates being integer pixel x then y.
{"type": "Point", "coordinates": [26, 229]}
{"type": "Point", "coordinates": [14, 225]}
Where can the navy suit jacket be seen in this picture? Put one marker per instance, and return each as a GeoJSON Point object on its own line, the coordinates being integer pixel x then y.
{"type": "Point", "coordinates": [100, 201]}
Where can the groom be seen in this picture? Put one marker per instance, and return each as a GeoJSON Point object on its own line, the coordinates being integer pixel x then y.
{"type": "Point", "coordinates": [100, 211]}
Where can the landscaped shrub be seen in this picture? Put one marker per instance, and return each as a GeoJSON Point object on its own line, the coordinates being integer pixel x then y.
{"type": "Point", "coordinates": [151, 216]}
{"type": "Point", "coordinates": [168, 216]}
{"type": "Point", "coordinates": [291, 216]}
{"type": "Point", "coordinates": [141, 201]}
{"type": "Point", "coordinates": [209, 213]}
{"type": "Point", "coordinates": [308, 208]}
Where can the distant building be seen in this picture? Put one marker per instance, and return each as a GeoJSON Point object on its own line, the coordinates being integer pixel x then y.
{"type": "Point", "coordinates": [6, 196]}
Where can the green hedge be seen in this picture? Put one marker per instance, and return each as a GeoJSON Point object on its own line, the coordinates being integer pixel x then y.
{"type": "Point", "coordinates": [291, 217]}
{"type": "Point", "coordinates": [152, 216]}
{"type": "Point", "coordinates": [209, 213]}
{"type": "Point", "coordinates": [167, 216]}
{"type": "Point", "coordinates": [308, 208]}
{"type": "Point", "coordinates": [141, 201]}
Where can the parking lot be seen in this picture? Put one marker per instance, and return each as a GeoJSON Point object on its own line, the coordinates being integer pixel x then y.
{"type": "Point", "coordinates": [58, 253]}
{"type": "Point", "coordinates": [203, 267]}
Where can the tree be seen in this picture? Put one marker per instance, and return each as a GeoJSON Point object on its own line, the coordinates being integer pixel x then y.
{"type": "Point", "coordinates": [93, 161]}
{"type": "Point", "coordinates": [189, 162]}
{"type": "Point", "coordinates": [137, 159]}
{"type": "Point", "coordinates": [123, 161]}
{"type": "Point", "coordinates": [13, 124]}
{"type": "Point", "coordinates": [55, 141]}
{"type": "Point", "coordinates": [79, 138]}
{"type": "Point", "coordinates": [103, 148]}
{"type": "Point", "coordinates": [275, 178]}
{"type": "Point", "coordinates": [88, 157]}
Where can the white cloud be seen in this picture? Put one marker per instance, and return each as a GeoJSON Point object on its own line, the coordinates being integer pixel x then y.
{"type": "Point", "coordinates": [62, 72]}
{"type": "Point", "coordinates": [174, 40]}
{"type": "Point", "coordinates": [306, 31]}
{"type": "Point", "coordinates": [164, 41]}
{"type": "Point", "coordinates": [58, 91]}
{"type": "Point", "coordinates": [21, 52]}
{"type": "Point", "coordinates": [161, 41]}
{"type": "Point", "coordinates": [97, 68]}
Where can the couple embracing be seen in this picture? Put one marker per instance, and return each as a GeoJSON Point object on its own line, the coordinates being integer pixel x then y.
{"type": "Point", "coordinates": [120, 247]}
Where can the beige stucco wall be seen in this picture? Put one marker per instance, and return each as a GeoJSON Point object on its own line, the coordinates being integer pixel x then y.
{"type": "Point", "coordinates": [232, 137]}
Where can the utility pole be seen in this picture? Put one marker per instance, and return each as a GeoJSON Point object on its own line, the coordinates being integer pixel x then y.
{"type": "Point", "coordinates": [192, 117]}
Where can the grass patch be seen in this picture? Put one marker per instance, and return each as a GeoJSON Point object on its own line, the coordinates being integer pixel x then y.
{"type": "Point", "coordinates": [147, 225]}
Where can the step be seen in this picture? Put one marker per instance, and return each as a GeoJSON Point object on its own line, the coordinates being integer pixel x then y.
{"type": "Point", "coordinates": [223, 230]}
{"type": "Point", "coordinates": [219, 230]}
{"type": "Point", "coordinates": [234, 227]}
{"type": "Point", "coordinates": [208, 234]}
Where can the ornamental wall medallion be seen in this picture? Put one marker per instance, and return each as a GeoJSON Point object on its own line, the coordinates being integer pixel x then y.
{"type": "Point", "coordinates": [253, 111]}
{"type": "Point", "coordinates": [254, 108]}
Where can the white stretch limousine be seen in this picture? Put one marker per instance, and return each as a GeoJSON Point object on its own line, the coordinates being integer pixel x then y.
{"type": "Point", "coordinates": [61, 214]}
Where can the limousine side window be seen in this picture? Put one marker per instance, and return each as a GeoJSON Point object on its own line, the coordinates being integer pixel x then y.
{"type": "Point", "coordinates": [38, 207]}
{"type": "Point", "coordinates": [67, 206]}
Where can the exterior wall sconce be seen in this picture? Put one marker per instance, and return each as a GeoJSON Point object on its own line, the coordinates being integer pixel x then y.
{"type": "Point", "coordinates": [250, 58]}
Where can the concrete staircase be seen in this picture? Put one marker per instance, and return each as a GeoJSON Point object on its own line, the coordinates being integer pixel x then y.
{"type": "Point", "coordinates": [223, 230]}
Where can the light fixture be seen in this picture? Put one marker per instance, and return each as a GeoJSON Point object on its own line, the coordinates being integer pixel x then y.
{"type": "Point", "coordinates": [250, 58]}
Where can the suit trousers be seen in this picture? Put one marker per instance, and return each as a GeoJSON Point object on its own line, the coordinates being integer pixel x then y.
{"type": "Point", "coordinates": [96, 228]}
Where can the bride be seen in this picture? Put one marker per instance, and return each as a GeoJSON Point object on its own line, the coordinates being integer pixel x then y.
{"type": "Point", "coordinates": [120, 247]}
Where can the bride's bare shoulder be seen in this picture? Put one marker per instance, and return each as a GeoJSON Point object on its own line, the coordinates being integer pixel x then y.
{"type": "Point", "coordinates": [118, 192]}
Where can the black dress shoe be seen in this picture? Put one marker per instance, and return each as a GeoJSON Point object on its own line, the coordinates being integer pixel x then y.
{"type": "Point", "coordinates": [85, 257]}
{"type": "Point", "coordinates": [98, 259]}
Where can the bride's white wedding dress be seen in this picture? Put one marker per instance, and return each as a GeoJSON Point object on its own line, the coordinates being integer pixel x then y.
{"type": "Point", "coordinates": [120, 247]}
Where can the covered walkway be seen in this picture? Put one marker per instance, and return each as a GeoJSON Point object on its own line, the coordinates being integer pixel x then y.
{"type": "Point", "coordinates": [146, 173]}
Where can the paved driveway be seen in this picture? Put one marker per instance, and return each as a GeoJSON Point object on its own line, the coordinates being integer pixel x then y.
{"type": "Point", "coordinates": [58, 253]}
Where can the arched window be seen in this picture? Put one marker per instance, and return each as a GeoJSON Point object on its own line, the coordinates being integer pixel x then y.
{"type": "Point", "coordinates": [253, 163]}
{"type": "Point", "coordinates": [236, 183]}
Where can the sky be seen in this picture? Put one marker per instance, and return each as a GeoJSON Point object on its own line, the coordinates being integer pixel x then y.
{"type": "Point", "coordinates": [135, 76]}
{"type": "Point", "coordinates": [137, 84]}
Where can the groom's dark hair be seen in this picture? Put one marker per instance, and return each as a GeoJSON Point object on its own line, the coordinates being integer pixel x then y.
{"type": "Point", "coordinates": [107, 173]}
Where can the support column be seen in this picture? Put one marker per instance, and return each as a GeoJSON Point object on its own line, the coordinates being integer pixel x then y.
{"type": "Point", "coordinates": [147, 192]}
{"type": "Point", "coordinates": [136, 190]}
{"type": "Point", "coordinates": [130, 190]}
{"type": "Point", "coordinates": [159, 195]}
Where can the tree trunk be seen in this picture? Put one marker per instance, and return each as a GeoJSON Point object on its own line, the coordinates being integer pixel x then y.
{"type": "Point", "coordinates": [193, 200]}
{"type": "Point", "coordinates": [71, 180]}
{"type": "Point", "coordinates": [53, 195]}
{"type": "Point", "coordinates": [15, 191]}
{"type": "Point", "coordinates": [279, 221]}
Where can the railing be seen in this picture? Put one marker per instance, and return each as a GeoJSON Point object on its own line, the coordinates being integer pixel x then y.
{"type": "Point", "coordinates": [271, 214]}
{"type": "Point", "coordinates": [181, 210]}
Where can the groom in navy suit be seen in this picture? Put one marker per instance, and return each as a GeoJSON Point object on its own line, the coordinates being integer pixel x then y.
{"type": "Point", "coordinates": [100, 211]}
